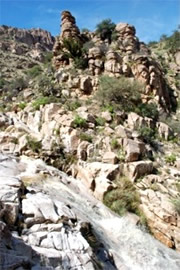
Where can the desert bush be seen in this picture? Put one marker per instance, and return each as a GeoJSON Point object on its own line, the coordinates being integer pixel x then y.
{"type": "Point", "coordinates": [33, 144]}
{"type": "Point", "coordinates": [148, 110]}
{"type": "Point", "coordinates": [85, 137]}
{"type": "Point", "coordinates": [22, 105]}
{"type": "Point", "coordinates": [172, 42]}
{"type": "Point", "coordinates": [79, 122]}
{"type": "Point", "coordinates": [176, 203]}
{"type": "Point", "coordinates": [2, 82]}
{"type": "Point", "coordinates": [108, 108]}
{"type": "Point", "coordinates": [148, 134]}
{"type": "Point", "coordinates": [73, 47]}
{"type": "Point", "coordinates": [35, 71]}
{"type": "Point", "coordinates": [170, 159]}
{"type": "Point", "coordinates": [48, 57]}
{"type": "Point", "coordinates": [19, 83]}
{"type": "Point", "coordinates": [105, 29]}
{"type": "Point", "coordinates": [72, 105]}
{"type": "Point", "coordinates": [124, 198]}
{"type": "Point", "coordinates": [46, 86]}
{"type": "Point", "coordinates": [114, 143]}
{"type": "Point", "coordinates": [100, 121]}
{"type": "Point", "coordinates": [43, 101]}
{"type": "Point", "coordinates": [121, 93]}
{"type": "Point", "coordinates": [114, 36]}
{"type": "Point", "coordinates": [80, 63]}
{"type": "Point", "coordinates": [75, 51]}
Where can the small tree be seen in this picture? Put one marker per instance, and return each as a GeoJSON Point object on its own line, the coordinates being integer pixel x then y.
{"type": "Point", "coordinates": [105, 29]}
{"type": "Point", "coordinates": [122, 93]}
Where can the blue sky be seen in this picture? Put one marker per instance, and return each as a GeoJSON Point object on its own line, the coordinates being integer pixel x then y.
{"type": "Point", "coordinates": [152, 18]}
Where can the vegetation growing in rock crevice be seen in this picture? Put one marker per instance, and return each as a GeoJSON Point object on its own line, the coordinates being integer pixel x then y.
{"type": "Point", "coordinates": [74, 50]}
{"type": "Point", "coordinates": [34, 144]}
{"type": "Point", "coordinates": [124, 198]}
{"type": "Point", "coordinates": [105, 29]}
{"type": "Point", "coordinates": [122, 93]}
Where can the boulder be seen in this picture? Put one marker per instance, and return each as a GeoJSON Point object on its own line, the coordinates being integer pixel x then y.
{"type": "Point", "coordinates": [110, 157]}
{"type": "Point", "coordinates": [164, 130]}
{"type": "Point", "coordinates": [86, 85]}
{"type": "Point", "coordinates": [137, 169]}
{"type": "Point", "coordinates": [133, 149]}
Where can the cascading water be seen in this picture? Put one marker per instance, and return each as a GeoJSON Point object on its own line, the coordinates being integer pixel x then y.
{"type": "Point", "coordinates": [131, 248]}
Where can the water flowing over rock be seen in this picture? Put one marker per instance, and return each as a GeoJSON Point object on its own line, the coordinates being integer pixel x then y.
{"type": "Point", "coordinates": [61, 226]}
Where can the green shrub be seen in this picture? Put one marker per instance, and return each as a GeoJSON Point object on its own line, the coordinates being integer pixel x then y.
{"type": "Point", "coordinates": [147, 110]}
{"type": "Point", "coordinates": [43, 101]}
{"type": "Point", "coordinates": [85, 137]}
{"type": "Point", "coordinates": [148, 134]}
{"type": "Point", "coordinates": [47, 86]}
{"type": "Point", "coordinates": [33, 144]}
{"type": "Point", "coordinates": [75, 51]}
{"type": "Point", "coordinates": [121, 93]}
{"type": "Point", "coordinates": [171, 159]}
{"type": "Point", "coordinates": [100, 121]}
{"type": "Point", "coordinates": [80, 63]}
{"type": "Point", "coordinates": [114, 143]}
{"type": "Point", "coordinates": [105, 29]}
{"type": "Point", "coordinates": [121, 155]}
{"type": "Point", "coordinates": [124, 198]}
{"type": "Point", "coordinates": [173, 42]}
{"type": "Point", "coordinates": [48, 57]}
{"type": "Point", "coordinates": [72, 105]}
{"type": "Point", "coordinates": [2, 83]}
{"type": "Point", "coordinates": [34, 71]}
{"type": "Point", "coordinates": [22, 105]}
{"type": "Point", "coordinates": [79, 122]}
{"type": "Point", "coordinates": [176, 203]}
{"type": "Point", "coordinates": [109, 108]}
{"type": "Point", "coordinates": [19, 83]}
{"type": "Point", "coordinates": [73, 47]}
{"type": "Point", "coordinates": [114, 36]}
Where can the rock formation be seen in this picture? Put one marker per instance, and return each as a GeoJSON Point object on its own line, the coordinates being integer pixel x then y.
{"type": "Point", "coordinates": [34, 38]}
{"type": "Point", "coordinates": [70, 31]}
{"type": "Point", "coordinates": [125, 56]}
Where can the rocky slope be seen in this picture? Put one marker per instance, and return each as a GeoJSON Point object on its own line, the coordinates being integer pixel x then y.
{"type": "Point", "coordinates": [125, 56]}
{"type": "Point", "coordinates": [21, 49]}
{"type": "Point", "coordinates": [123, 152]}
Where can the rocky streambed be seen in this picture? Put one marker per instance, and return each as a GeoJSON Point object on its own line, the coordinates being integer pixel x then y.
{"type": "Point", "coordinates": [49, 220]}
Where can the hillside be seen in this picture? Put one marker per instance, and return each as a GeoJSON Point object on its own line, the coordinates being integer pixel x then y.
{"type": "Point", "coordinates": [89, 149]}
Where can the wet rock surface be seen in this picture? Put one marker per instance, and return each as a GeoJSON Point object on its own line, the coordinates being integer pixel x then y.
{"type": "Point", "coordinates": [62, 226]}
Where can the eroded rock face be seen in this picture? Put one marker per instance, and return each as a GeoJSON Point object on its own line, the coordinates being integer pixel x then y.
{"type": "Point", "coordinates": [34, 38]}
{"type": "Point", "coordinates": [156, 204]}
{"type": "Point", "coordinates": [68, 26]}
{"type": "Point", "coordinates": [126, 56]}
{"type": "Point", "coordinates": [70, 31]}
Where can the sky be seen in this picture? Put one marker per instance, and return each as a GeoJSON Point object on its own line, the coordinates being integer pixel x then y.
{"type": "Point", "coordinates": [152, 18]}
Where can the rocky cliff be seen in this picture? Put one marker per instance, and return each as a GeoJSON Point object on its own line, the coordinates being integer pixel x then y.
{"type": "Point", "coordinates": [126, 55]}
{"type": "Point", "coordinates": [34, 38]}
